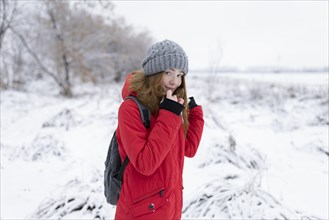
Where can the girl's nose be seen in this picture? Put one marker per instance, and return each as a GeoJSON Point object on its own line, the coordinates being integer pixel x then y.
{"type": "Point", "coordinates": [173, 80]}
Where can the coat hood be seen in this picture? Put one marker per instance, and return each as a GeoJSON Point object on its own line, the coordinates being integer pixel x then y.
{"type": "Point", "coordinates": [125, 89]}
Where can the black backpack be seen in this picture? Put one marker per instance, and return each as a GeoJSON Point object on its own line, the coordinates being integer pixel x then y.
{"type": "Point", "coordinates": [114, 167]}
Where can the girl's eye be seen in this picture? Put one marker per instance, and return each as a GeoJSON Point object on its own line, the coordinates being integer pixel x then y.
{"type": "Point", "coordinates": [167, 72]}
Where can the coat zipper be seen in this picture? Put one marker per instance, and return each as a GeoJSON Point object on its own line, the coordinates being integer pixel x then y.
{"type": "Point", "coordinates": [161, 192]}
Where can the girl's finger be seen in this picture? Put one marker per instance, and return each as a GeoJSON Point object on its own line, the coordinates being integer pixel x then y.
{"type": "Point", "coordinates": [169, 93]}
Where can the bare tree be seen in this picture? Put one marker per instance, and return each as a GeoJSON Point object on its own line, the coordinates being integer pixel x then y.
{"type": "Point", "coordinates": [11, 52]}
{"type": "Point", "coordinates": [98, 49]}
{"type": "Point", "coordinates": [72, 42]}
{"type": "Point", "coordinates": [11, 60]}
{"type": "Point", "coordinates": [8, 13]}
{"type": "Point", "coordinates": [53, 9]}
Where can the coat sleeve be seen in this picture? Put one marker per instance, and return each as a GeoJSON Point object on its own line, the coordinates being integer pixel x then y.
{"type": "Point", "coordinates": [194, 132]}
{"type": "Point", "coordinates": [146, 150]}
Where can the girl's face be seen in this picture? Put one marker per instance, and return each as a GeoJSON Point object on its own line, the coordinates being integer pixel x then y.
{"type": "Point", "coordinates": [171, 79]}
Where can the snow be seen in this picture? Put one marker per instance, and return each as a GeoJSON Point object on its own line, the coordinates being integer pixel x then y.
{"type": "Point", "coordinates": [263, 154]}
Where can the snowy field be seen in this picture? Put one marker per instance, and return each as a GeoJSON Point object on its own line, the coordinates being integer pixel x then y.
{"type": "Point", "coordinates": [263, 154]}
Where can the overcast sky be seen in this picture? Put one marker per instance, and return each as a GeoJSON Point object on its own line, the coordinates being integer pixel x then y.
{"type": "Point", "coordinates": [237, 33]}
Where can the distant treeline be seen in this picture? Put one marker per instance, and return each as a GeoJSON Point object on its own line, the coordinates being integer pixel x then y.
{"type": "Point", "coordinates": [266, 70]}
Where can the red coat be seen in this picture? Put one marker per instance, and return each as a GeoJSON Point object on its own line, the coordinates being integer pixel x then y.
{"type": "Point", "coordinates": [152, 183]}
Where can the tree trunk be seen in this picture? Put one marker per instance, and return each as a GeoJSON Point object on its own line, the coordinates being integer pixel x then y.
{"type": "Point", "coordinates": [66, 90]}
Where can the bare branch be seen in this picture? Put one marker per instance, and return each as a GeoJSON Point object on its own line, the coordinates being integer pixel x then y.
{"type": "Point", "coordinates": [34, 55]}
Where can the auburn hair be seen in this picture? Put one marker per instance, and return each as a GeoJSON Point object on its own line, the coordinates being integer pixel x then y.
{"type": "Point", "coordinates": [150, 93]}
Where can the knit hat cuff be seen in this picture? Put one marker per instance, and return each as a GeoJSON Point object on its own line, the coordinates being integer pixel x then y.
{"type": "Point", "coordinates": [164, 62]}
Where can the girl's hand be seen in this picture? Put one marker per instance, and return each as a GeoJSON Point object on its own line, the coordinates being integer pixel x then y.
{"type": "Point", "coordinates": [174, 97]}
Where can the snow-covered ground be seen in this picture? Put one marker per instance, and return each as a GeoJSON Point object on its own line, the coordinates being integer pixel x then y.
{"type": "Point", "coordinates": [263, 154]}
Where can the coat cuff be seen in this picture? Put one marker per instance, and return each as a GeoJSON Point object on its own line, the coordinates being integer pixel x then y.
{"type": "Point", "coordinates": [172, 106]}
{"type": "Point", "coordinates": [192, 103]}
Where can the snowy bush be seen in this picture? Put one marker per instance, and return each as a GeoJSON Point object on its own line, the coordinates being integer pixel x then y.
{"type": "Point", "coordinates": [76, 200]}
{"type": "Point", "coordinates": [224, 199]}
{"type": "Point", "coordinates": [65, 118]}
{"type": "Point", "coordinates": [42, 147]}
{"type": "Point", "coordinates": [242, 157]}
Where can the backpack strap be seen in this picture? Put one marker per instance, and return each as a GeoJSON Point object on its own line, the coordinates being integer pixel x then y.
{"type": "Point", "coordinates": [146, 118]}
{"type": "Point", "coordinates": [122, 168]}
{"type": "Point", "coordinates": [145, 112]}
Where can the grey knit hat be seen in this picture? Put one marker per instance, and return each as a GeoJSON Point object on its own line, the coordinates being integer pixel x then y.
{"type": "Point", "coordinates": [164, 55]}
